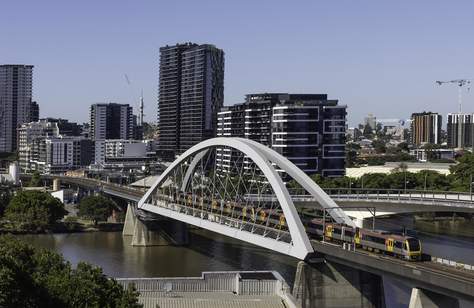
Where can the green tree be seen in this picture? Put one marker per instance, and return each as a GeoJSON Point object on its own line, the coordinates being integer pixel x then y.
{"type": "Point", "coordinates": [462, 172]}
{"type": "Point", "coordinates": [375, 181]}
{"type": "Point", "coordinates": [31, 277]}
{"type": "Point", "coordinates": [368, 132]}
{"type": "Point", "coordinates": [5, 197]}
{"type": "Point", "coordinates": [403, 146]}
{"type": "Point", "coordinates": [35, 180]}
{"type": "Point", "coordinates": [379, 146]}
{"type": "Point", "coordinates": [351, 154]}
{"type": "Point", "coordinates": [96, 208]}
{"type": "Point", "coordinates": [34, 210]}
{"type": "Point", "coordinates": [433, 180]}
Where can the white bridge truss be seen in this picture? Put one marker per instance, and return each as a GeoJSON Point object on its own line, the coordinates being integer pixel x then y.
{"type": "Point", "coordinates": [216, 185]}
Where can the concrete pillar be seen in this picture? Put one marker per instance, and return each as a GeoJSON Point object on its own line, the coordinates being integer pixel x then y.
{"type": "Point", "coordinates": [427, 299]}
{"type": "Point", "coordinates": [143, 236]}
{"type": "Point", "coordinates": [161, 231]}
{"type": "Point", "coordinates": [322, 284]}
{"type": "Point", "coordinates": [129, 224]}
{"type": "Point", "coordinates": [56, 185]}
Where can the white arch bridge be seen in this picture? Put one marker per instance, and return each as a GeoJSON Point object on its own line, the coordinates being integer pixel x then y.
{"type": "Point", "coordinates": [209, 184]}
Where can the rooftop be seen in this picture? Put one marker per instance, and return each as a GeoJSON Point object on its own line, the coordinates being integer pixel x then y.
{"type": "Point", "coordinates": [259, 289]}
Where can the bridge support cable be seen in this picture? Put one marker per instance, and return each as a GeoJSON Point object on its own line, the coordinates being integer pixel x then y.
{"type": "Point", "coordinates": [223, 184]}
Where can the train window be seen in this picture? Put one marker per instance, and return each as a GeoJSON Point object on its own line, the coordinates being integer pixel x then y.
{"type": "Point", "coordinates": [398, 245]}
{"type": "Point", "coordinates": [337, 231]}
{"type": "Point", "coordinates": [414, 244]}
{"type": "Point", "coordinates": [349, 233]}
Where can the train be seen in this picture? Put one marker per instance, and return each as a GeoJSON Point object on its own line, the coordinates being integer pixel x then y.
{"type": "Point", "coordinates": [387, 243]}
{"type": "Point", "coordinates": [383, 242]}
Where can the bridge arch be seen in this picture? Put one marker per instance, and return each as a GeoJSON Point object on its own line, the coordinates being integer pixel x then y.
{"type": "Point", "coordinates": [263, 158]}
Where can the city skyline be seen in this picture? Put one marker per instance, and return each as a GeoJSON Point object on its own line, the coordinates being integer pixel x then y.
{"type": "Point", "coordinates": [360, 54]}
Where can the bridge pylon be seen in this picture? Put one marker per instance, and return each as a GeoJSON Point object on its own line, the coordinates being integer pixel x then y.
{"type": "Point", "coordinates": [153, 231]}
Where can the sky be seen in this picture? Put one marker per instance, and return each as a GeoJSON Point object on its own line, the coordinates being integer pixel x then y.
{"type": "Point", "coordinates": [379, 57]}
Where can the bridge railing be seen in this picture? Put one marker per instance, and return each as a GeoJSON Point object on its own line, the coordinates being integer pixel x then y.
{"type": "Point", "coordinates": [432, 196]}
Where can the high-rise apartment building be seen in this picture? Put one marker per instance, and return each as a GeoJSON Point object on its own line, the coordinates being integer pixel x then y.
{"type": "Point", "coordinates": [308, 129]}
{"type": "Point", "coordinates": [460, 130]}
{"type": "Point", "coordinates": [111, 121]}
{"type": "Point", "coordinates": [425, 128]}
{"type": "Point", "coordinates": [16, 82]}
{"type": "Point", "coordinates": [191, 91]}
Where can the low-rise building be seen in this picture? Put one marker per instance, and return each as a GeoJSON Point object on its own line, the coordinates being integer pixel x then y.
{"type": "Point", "coordinates": [60, 154]}
{"type": "Point", "coordinates": [31, 136]}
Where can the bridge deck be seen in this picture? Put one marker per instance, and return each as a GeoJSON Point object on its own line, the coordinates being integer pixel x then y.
{"type": "Point", "coordinates": [429, 275]}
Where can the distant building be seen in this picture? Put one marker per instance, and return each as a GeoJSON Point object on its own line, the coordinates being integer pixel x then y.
{"type": "Point", "coordinates": [191, 91]}
{"type": "Point", "coordinates": [111, 121]}
{"type": "Point", "coordinates": [16, 82]}
{"type": "Point", "coordinates": [436, 154]}
{"type": "Point", "coordinates": [308, 129]}
{"type": "Point", "coordinates": [121, 153]}
{"type": "Point", "coordinates": [460, 129]}
{"type": "Point", "coordinates": [425, 128]}
{"type": "Point", "coordinates": [58, 154]}
{"type": "Point", "coordinates": [354, 133]}
{"type": "Point", "coordinates": [371, 121]}
{"type": "Point", "coordinates": [34, 112]}
{"type": "Point", "coordinates": [31, 140]}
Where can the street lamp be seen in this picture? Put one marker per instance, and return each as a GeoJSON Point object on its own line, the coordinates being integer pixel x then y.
{"type": "Point", "coordinates": [470, 187]}
{"type": "Point", "coordinates": [405, 182]}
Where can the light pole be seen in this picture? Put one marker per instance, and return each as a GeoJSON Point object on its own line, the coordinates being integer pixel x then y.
{"type": "Point", "coordinates": [470, 186]}
{"type": "Point", "coordinates": [405, 182]}
{"type": "Point", "coordinates": [426, 176]}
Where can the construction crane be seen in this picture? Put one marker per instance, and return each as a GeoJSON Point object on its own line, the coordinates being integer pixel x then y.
{"type": "Point", "coordinates": [461, 83]}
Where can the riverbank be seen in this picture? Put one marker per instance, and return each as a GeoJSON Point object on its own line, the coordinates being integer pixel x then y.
{"type": "Point", "coordinates": [65, 227]}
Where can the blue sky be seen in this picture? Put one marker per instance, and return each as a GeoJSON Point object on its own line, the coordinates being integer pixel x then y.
{"type": "Point", "coordinates": [374, 56]}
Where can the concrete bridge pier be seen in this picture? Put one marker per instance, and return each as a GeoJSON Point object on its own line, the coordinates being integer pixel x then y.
{"type": "Point", "coordinates": [159, 232]}
{"type": "Point", "coordinates": [426, 299]}
{"type": "Point", "coordinates": [130, 220]}
{"type": "Point", "coordinates": [322, 284]}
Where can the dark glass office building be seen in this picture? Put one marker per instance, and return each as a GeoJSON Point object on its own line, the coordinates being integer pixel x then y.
{"type": "Point", "coordinates": [191, 92]}
{"type": "Point", "coordinates": [111, 121]}
{"type": "Point", "coordinates": [308, 129]}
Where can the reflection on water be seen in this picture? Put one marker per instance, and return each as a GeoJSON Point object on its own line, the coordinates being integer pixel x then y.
{"type": "Point", "coordinates": [212, 252]}
{"type": "Point", "coordinates": [206, 252]}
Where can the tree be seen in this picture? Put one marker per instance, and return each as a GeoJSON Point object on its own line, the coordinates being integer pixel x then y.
{"type": "Point", "coordinates": [34, 210]}
{"type": "Point", "coordinates": [5, 197]}
{"type": "Point", "coordinates": [31, 277]}
{"type": "Point", "coordinates": [379, 146]}
{"type": "Point", "coordinates": [35, 180]}
{"type": "Point", "coordinates": [463, 171]}
{"type": "Point", "coordinates": [403, 146]}
{"type": "Point", "coordinates": [96, 208]}
{"type": "Point", "coordinates": [351, 154]}
{"type": "Point", "coordinates": [375, 181]}
{"type": "Point", "coordinates": [368, 132]}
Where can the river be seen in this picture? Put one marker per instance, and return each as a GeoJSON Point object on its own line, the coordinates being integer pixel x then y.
{"type": "Point", "coordinates": [212, 252]}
